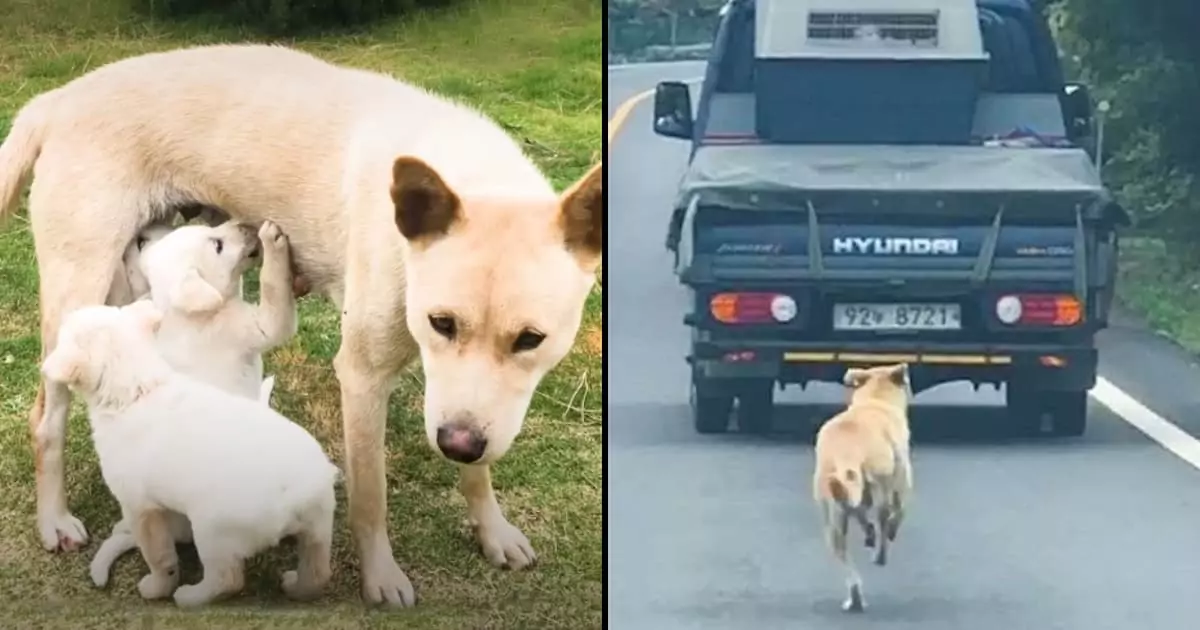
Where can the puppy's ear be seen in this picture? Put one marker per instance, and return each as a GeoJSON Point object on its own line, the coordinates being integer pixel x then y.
{"type": "Point", "coordinates": [855, 377]}
{"type": "Point", "coordinates": [194, 295]}
{"type": "Point", "coordinates": [899, 374]}
{"type": "Point", "coordinates": [63, 364]}
{"type": "Point", "coordinates": [146, 315]}
{"type": "Point", "coordinates": [426, 208]}
{"type": "Point", "coordinates": [582, 217]}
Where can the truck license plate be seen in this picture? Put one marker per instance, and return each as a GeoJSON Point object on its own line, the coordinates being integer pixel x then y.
{"type": "Point", "coordinates": [897, 317]}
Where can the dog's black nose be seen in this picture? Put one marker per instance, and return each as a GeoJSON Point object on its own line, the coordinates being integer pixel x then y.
{"type": "Point", "coordinates": [461, 443]}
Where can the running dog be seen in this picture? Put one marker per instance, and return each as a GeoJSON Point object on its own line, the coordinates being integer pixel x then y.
{"type": "Point", "coordinates": [420, 218]}
{"type": "Point", "coordinates": [863, 464]}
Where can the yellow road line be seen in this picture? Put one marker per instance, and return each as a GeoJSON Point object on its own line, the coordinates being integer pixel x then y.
{"type": "Point", "coordinates": [622, 114]}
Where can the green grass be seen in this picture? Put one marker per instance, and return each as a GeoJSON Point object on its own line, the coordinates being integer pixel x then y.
{"type": "Point", "coordinates": [1162, 288]}
{"type": "Point", "coordinates": [535, 66]}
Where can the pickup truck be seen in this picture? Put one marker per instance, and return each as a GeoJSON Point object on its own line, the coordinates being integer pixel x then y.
{"type": "Point", "coordinates": [890, 181]}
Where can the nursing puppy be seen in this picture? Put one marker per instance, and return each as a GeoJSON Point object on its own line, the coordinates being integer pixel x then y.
{"type": "Point", "coordinates": [242, 474]}
{"type": "Point", "coordinates": [129, 284]}
{"type": "Point", "coordinates": [862, 463]}
{"type": "Point", "coordinates": [194, 275]}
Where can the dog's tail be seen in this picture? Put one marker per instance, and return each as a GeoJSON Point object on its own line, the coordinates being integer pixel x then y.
{"type": "Point", "coordinates": [264, 390]}
{"type": "Point", "coordinates": [845, 485]}
{"type": "Point", "coordinates": [21, 148]}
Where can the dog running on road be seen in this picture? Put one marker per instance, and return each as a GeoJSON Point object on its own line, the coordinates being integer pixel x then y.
{"type": "Point", "coordinates": [862, 464]}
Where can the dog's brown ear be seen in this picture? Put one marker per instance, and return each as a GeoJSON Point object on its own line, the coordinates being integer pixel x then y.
{"type": "Point", "coordinates": [582, 217]}
{"type": "Point", "coordinates": [855, 377]}
{"type": "Point", "coordinates": [899, 374]}
{"type": "Point", "coordinates": [425, 205]}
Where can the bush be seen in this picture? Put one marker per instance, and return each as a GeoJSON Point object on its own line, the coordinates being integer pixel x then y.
{"type": "Point", "coordinates": [282, 17]}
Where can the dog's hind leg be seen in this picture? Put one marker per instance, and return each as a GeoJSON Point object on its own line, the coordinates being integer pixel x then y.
{"type": "Point", "coordinates": [153, 536]}
{"type": "Point", "coordinates": [224, 570]}
{"type": "Point", "coordinates": [315, 545]}
{"type": "Point", "coordinates": [836, 533]}
{"type": "Point", "coordinates": [885, 520]}
{"type": "Point", "coordinates": [76, 265]}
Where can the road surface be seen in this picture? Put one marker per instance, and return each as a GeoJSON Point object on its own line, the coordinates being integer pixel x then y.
{"type": "Point", "coordinates": [1098, 533]}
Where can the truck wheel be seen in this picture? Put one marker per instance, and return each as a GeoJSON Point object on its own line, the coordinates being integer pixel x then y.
{"type": "Point", "coordinates": [1068, 412]}
{"type": "Point", "coordinates": [755, 408]}
{"type": "Point", "coordinates": [710, 413]}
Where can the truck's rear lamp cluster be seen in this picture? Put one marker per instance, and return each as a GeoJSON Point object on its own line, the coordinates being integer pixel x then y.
{"type": "Point", "coordinates": [1038, 309]}
{"type": "Point", "coordinates": [752, 308]}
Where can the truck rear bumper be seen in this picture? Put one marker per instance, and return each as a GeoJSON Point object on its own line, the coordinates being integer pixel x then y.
{"type": "Point", "coordinates": [1041, 367]}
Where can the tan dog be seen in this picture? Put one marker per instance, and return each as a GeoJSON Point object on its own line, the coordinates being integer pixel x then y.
{"type": "Point", "coordinates": [862, 462]}
{"type": "Point", "coordinates": [421, 219]}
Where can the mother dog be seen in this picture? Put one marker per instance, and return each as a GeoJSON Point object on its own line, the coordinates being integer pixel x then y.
{"type": "Point", "coordinates": [420, 218]}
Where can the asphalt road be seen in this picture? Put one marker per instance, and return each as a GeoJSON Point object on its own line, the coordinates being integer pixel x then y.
{"type": "Point", "coordinates": [1098, 533]}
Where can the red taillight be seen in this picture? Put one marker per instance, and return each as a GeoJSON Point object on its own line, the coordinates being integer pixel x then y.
{"type": "Point", "coordinates": [1039, 309]}
{"type": "Point", "coordinates": [752, 308]}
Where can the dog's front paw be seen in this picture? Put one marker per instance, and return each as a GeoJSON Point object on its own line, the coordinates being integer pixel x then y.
{"type": "Point", "coordinates": [158, 586]}
{"type": "Point", "coordinates": [869, 536]}
{"type": "Point", "coordinates": [61, 532]}
{"type": "Point", "coordinates": [298, 590]}
{"type": "Point", "coordinates": [273, 239]}
{"type": "Point", "coordinates": [384, 582]}
{"type": "Point", "coordinates": [505, 546]}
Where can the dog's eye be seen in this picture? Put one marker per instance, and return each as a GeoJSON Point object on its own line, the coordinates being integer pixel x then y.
{"type": "Point", "coordinates": [528, 340]}
{"type": "Point", "coordinates": [444, 325]}
{"type": "Point", "coordinates": [219, 244]}
{"type": "Point", "coordinates": [141, 242]}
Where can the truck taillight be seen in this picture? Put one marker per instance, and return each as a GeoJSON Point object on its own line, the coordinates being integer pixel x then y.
{"type": "Point", "coordinates": [1039, 309]}
{"type": "Point", "coordinates": [752, 308]}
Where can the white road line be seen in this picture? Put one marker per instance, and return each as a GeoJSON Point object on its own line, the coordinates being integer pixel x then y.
{"type": "Point", "coordinates": [1124, 406]}
{"type": "Point", "coordinates": [1142, 418]}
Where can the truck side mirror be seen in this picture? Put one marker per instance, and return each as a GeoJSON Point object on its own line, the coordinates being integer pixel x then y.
{"type": "Point", "coordinates": [1077, 109]}
{"type": "Point", "coordinates": [673, 110]}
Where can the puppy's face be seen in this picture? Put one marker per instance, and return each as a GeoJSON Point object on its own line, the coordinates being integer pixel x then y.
{"type": "Point", "coordinates": [195, 269]}
{"type": "Point", "coordinates": [133, 257]}
{"type": "Point", "coordinates": [96, 343]}
{"type": "Point", "coordinates": [495, 295]}
{"type": "Point", "coordinates": [887, 383]}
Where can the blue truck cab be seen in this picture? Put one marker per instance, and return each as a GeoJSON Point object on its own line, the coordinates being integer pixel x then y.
{"type": "Point", "coordinates": [902, 181]}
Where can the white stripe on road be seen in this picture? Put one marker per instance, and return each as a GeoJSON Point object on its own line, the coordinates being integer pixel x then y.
{"type": "Point", "coordinates": [1142, 418]}
{"type": "Point", "coordinates": [1126, 407]}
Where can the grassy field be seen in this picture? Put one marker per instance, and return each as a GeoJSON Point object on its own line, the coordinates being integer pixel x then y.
{"type": "Point", "coordinates": [535, 66]}
{"type": "Point", "coordinates": [1162, 289]}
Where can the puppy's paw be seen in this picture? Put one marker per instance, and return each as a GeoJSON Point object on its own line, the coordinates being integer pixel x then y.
{"type": "Point", "coordinates": [62, 532]}
{"type": "Point", "coordinates": [273, 239]}
{"type": "Point", "coordinates": [505, 546]}
{"type": "Point", "coordinates": [384, 582]}
{"type": "Point", "coordinates": [158, 586]}
{"type": "Point", "coordinates": [296, 589]}
{"type": "Point", "coordinates": [99, 571]}
{"type": "Point", "coordinates": [869, 537]}
{"type": "Point", "coordinates": [192, 595]}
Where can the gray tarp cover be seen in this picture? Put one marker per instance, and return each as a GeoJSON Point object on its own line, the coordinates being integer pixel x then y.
{"type": "Point", "coordinates": [752, 176]}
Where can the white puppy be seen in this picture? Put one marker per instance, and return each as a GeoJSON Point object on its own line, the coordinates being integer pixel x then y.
{"type": "Point", "coordinates": [243, 475]}
{"type": "Point", "coordinates": [129, 284]}
{"type": "Point", "coordinates": [194, 273]}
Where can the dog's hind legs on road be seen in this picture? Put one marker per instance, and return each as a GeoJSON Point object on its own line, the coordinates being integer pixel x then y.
{"type": "Point", "coordinates": [75, 269]}
{"type": "Point", "coordinates": [837, 525]}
